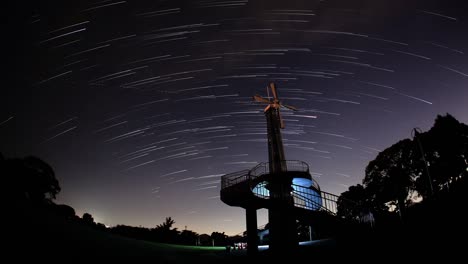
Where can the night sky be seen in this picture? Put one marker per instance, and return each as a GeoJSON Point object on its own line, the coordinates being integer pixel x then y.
{"type": "Point", "coordinates": [141, 106]}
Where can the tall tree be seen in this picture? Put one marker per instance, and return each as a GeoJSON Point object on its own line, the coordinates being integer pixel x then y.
{"type": "Point", "coordinates": [390, 176]}
{"type": "Point", "coordinates": [164, 233]}
{"type": "Point", "coordinates": [42, 183]}
{"type": "Point", "coordinates": [353, 202]}
{"type": "Point", "coordinates": [435, 160]}
{"type": "Point", "coordinates": [29, 179]}
{"type": "Point", "coordinates": [445, 147]}
{"type": "Point", "coordinates": [167, 224]}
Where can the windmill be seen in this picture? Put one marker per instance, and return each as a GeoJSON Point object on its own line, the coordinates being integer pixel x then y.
{"type": "Point", "coordinates": [288, 189]}
{"type": "Point", "coordinates": [274, 124]}
{"type": "Point", "coordinates": [274, 103]}
{"type": "Point", "coordinates": [281, 219]}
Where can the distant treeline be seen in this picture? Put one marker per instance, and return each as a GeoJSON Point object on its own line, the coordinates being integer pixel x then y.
{"type": "Point", "coordinates": [166, 234]}
{"type": "Point", "coordinates": [32, 188]}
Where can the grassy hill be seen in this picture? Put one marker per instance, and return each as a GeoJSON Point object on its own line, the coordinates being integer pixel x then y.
{"type": "Point", "coordinates": [43, 235]}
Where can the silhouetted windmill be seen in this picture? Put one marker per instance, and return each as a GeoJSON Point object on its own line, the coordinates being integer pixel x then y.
{"type": "Point", "coordinates": [285, 188]}
{"type": "Point", "coordinates": [274, 123]}
{"type": "Point", "coordinates": [275, 103]}
{"type": "Point", "coordinates": [282, 222]}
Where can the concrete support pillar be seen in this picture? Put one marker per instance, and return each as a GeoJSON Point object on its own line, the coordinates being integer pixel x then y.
{"type": "Point", "coordinates": [252, 236]}
{"type": "Point", "coordinates": [282, 220]}
{"type": "Point", "coordinates": [283, 231]}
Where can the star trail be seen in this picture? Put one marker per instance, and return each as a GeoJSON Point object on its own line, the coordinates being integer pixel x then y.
{"type": "Point", "coordinates": [141, 106]}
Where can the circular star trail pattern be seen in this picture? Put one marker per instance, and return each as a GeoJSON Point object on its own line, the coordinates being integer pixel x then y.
{"type": "Point", "coordinates": [141, 106]}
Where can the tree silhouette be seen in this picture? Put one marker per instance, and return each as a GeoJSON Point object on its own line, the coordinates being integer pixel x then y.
{"type": "Point", "coordinates": [188, 237]}
{"type": "Point", "coordinates": [167, 224]}
{"type": "Point", "coordinates": [445, 148]}
{"type": "Point", "coordinates": [399, 173]}
{"type": "Point", "coordinates": [88, 219]}
{"type": "Point", "coordinates": [42, 183]}
{"type": "Point", "coordinates": [164, 231]}
{"type": "Point", "coordinates": [219, 239]}
{"type": "Point", "coordinates": [65, 211]}
{"type": "Point", "coordinates": [29, 179]}
{"type": "Point", "coordinates": [205, 240]}
{"type": "Point", "coordinates": [390, 176]}
{"type": "Point", "coordinates": [353, 202]}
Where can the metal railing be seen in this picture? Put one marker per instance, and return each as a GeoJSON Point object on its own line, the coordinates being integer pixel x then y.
{"type": "Point", "coordinates": [291, 165]}
{"type": "Point", "coordinates": [304, 197]}
{"type": "Point", "coordinates": [312, 200]}
{"type": "Point", "coordinates": [261, 191]}
{"type": "Point", "coordinates": [329, 201]}
{"type": "Point", "coordinates": [234, 178]}
{"type": "Point", "coordinates": [297, 165]}
{"type": "Point", "coordinates": [302, 202]}
{"type": "Point", "coordinates": [259, 170]}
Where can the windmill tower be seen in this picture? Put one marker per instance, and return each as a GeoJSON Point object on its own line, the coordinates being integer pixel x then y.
{"type": "Point", "coordinates": [284, 187]}
{"type": "Point", "coordinates": [282, 221]}
{"type": "Point", "coordinates": [274, 124]}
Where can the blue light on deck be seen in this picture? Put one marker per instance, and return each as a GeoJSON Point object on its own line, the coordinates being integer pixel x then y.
{"type": "Point", "coordinates": [306, 193]}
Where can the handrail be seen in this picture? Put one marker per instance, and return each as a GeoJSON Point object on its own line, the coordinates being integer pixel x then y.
{"type": "Point", "coordinates": [325, 203]}
{"type": "Point", "coordinates": [307, 203]}
{"type": "Point", "coordinates": [310, 200]}
{"type": "Point", "coordinates": [234, 178]}
{"type": "Point", "coordinates": [265, 193]}
{"type": "Point", "coordinates": [328, 201]}
{"type": "Point", "coordinates": [259, 170]}
{"type": "Point", "coordinates": [291, 165]}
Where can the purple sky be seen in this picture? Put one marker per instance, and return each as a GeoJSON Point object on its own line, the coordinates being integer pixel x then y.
{"type": "Point", "coordinates": [140, 106]}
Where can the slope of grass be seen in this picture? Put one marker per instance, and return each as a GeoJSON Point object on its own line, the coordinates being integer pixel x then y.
{"type": "Point", "coordinates": [42, 235]}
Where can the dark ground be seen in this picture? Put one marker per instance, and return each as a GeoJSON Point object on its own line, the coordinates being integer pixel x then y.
{"type": "Point", "coordinates": [433, 231]}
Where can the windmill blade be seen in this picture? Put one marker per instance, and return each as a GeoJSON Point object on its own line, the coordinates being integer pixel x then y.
{"type": "Point", "coordinates": [273, 90]}
{"type": "Point", "coordinates": [266, 108]}
{"type": "Point", "coordinates": [290, 107]}
{"type": "Point", "coordinates": [260, 99]}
